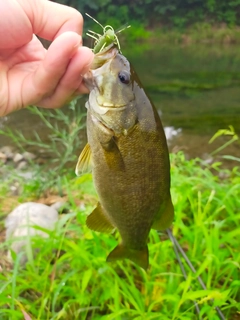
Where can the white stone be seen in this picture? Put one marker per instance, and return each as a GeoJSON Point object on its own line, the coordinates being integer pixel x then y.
{"type": "Point", "coordinates": [8, 151]}
{"type": "Point", "coordinates": [171, 132]}
{"type": "Point", "coordinates": [3, 157]}
{"type": "Point", "coordinates": [18, 157]}
{"type": "Point", "coordinates": [20, 225]}
{"type": "Point", "coordinates": [22, 165]}
{"type": "Point", "coordinates": [28, 156]}
{"type": "Point", "coordinates": [58, 205]}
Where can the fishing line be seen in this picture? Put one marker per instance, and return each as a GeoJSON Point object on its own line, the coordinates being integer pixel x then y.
{"type": "Point", "coordinates": [182, 268]}
{"type": "Point", "coordinates": [177, 246]}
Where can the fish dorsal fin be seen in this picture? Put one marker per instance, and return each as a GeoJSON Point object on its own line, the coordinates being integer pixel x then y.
{"type": "Point", "coordinates": [84, 161]}
{"type": "Point", "coordinates": [166, 217]}
{"type": "Point", "coordinates": [98, 221]}
{"type": "Point", "coordinates": [140, 257]}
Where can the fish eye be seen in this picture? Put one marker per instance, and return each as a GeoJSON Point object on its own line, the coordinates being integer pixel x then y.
{"type": "Point", "coordinates": [124, 77]}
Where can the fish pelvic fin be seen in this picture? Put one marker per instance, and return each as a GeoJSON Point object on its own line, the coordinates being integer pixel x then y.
{"type": "Point", "coordinates": [166, 217]}
{"type": "Point", "coordinates": [84, 161]}
{"type": "Point", "coordinates": [140, 257]}
{"type": "Point", "coordinates": [98, 221]}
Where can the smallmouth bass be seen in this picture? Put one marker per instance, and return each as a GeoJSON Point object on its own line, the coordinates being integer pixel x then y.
{"type": "Point", "coordinates": [128, 156]}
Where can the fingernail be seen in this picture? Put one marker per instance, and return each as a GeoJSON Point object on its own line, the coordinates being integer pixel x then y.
{"type": "Point", "coordinates": [87, 66]}
{"type": "Point", "coordinates": [79, 42]}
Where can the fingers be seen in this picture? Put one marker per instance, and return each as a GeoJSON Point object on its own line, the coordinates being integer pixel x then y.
{"type": "Point", "coordinates": [59, 75]}
{"type": "Point", "coordinates": [46, 78]}
{"type": "Point", "coordinates": [22, 18]}
{"type": "Point", "coordinates": [15, 28]}
{"type": "Point", "coordinates": [71, 82]}
{"type": "Point", "coordinates": [50, 19]}
{"type": "Point", "coordinates": [32, 51]}
{"type": "Point", "coordinates": [54, 65]}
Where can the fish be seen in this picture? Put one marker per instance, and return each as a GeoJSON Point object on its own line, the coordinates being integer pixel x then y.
{"type": "Point", "coordinates": [128, 155]}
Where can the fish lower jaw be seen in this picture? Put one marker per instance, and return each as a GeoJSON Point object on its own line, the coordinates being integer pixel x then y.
{"type": "Point", "coordinates": [99, 109]}
{"type": "Point", "coordinates": [109, 106]}
{"type": "Point", "coordinates": [102, 103]}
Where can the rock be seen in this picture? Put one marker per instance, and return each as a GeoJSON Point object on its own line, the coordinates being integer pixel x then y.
{"type": "Point", "coordinates": [8, 151]}
{"type": "Point", "coordinates": [59, 205]}
{"type": "Point", "coordinates": [18, 157]}
{"type": "Point", "coordinates": [15, 189]}
{"type": "Point", "coordinates": [20, 226]}
{"type": "Point", "coordinates": [29, 175]}
{"type": "Point", "coordinates": [28, 156]}
{"type": "Point", "coordinates": [82, 206]}
{"type": "Point", "coordinates": [3, 157]}
{"type": "Point", "coordinates": [171, 132]}
{"type": "Point", "coordinates": [22, 164]}
{"type": "Point", "coordinates": [207, 158]}
{"type": "Point", "coordinates": [40, 161]}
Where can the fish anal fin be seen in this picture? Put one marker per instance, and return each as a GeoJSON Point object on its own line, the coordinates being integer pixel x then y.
{"type": "Point", "coordinates": [98, 221]}
{"type": "Point", "coordinates": [84, 161]}
{"type": "Point", "coordinates": [166, 217]}
{"type": "Point", "coordinates": [140, 257]}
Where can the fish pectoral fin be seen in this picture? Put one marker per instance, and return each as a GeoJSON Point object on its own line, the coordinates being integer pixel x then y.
{"type": "Point", "coordinates": [166, 217]}
{"type": "Point", "coordinates": [84, 161]}
{"type": "Point", "coordinates": [140, 257]}
{"type": "Point", "coordinates": [114, 158]}
{"type": "Point", "coordinates": [105, 135]}
{"type": "Point", "coordinates": [98, 221]}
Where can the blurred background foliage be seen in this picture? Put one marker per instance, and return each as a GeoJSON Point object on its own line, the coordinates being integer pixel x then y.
{"type": "Point", "coordinates": [168, 13]}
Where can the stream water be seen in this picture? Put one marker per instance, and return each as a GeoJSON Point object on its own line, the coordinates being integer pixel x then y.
{"type": "Point", "coordinates": [194, 87]}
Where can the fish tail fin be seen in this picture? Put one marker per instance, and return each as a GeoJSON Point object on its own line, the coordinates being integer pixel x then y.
{"type": "Point", "coordinates": [140, 257]}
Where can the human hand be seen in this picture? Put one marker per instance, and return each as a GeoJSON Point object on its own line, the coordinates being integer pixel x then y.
{"type": "Point", "coordinates": [30, 74]}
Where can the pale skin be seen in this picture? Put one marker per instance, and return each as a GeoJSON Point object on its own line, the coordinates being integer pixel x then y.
{"type": "Point", "coordinates": [30, 74]}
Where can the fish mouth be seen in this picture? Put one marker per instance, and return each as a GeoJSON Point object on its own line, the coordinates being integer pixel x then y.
{"type": "Point", "coordinates": [112, 106]}
{"type": "Point", "coordinates": [102, 109]}
{"type": "Point", "coordinates": [102, 57]}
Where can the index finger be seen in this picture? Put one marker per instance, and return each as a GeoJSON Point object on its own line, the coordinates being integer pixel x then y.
{"type": "Point", "coordinates": [49, 19]}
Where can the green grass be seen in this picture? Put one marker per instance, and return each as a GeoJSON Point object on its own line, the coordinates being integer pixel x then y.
{"type": "Point", "coordinates": [75, 282]}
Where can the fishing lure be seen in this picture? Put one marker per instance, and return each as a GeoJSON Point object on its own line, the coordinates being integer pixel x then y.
{"type": "Point", "coordinates": [108, 37]}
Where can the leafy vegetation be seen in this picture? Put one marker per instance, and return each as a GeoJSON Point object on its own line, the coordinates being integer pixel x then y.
{"type": "Point", "coordinates": [69, 278]}
{"type": "Point", "coordinates": [66, 136]}
{"type": "Point", "coordinates": [187, 21]}
{"type": "Point", "coordinates": [161, 12]}
{"type": "Point", "coordinates": [234, 137]}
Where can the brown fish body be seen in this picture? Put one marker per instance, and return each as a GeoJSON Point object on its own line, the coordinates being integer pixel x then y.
{"type": "Point", "coordinates": [130, 165]}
